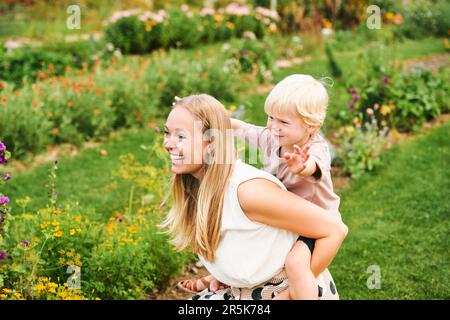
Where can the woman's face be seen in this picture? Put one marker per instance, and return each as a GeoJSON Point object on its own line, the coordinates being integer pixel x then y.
{"type": "Point", "coordinates": [183, 140]}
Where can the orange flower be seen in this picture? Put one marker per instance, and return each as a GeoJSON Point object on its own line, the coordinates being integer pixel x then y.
{"type": "Point", "coordinates": [138, 116]}
{"type": "Point", "coordinates": [24, 82]}
{"type": "Point", "coordinates": [40, 74]}
{"type": "Point", "coordinates": [67, 69]}
{"type": "Point", "coordinates": [99, 92]}
{"type": "Point", "coordinates": [4, 100]}
{"type": "Point", "coordinates": [69, 104]}
{"type": "Point", "coordinates": [204, 75]}
{"type": "Point", "coordinates": [51, 67]}
{"type": "Point", "coordinates": [55, 131]}
{"type": "Point", "coordinates": [35, 105]}
{"type": "Point", "coordinates": [1, 84]}
{"type": "Point", "coordinates": [160, 85]}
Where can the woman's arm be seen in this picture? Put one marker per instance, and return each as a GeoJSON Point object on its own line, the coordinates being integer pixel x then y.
{"type": "Point", "coordinates": [265, 202]}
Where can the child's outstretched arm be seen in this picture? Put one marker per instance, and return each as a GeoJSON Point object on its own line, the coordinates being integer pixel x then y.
{"type": "Point", "coordinates": [237, 124]}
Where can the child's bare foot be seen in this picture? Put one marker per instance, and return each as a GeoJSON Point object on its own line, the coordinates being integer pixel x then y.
{"type": "Point", "coordinates": [198, 285]}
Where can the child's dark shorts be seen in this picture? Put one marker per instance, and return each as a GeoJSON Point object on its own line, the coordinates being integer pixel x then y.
{"type": "Point", "coordinates": [309, 242]}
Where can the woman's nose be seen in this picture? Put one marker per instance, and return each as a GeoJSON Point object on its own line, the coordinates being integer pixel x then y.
{"type": "Point", "coordinates": [169, 144]}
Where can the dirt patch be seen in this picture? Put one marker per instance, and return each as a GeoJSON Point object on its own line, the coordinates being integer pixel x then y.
{"type": "Point", "coordinates": [192, 271]}
{"type": "Point", "coordinates": [431, 63]}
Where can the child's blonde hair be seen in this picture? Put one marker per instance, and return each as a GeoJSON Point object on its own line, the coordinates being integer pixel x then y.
{"type": "Point", "coordinates": [302, 95]}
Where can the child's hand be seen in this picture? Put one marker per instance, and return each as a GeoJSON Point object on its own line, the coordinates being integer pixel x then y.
{"type": "Point", "coordinates": [296, 160]}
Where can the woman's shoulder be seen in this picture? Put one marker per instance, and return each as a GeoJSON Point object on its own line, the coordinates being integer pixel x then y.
{"type": "Point", "coordinates": [244, 172]}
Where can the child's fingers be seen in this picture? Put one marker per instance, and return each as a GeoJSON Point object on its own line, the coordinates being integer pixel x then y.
{"type": "Point", "coordinates": [297, 149]}
{"type": "Point", "coordinates": [287, 156]}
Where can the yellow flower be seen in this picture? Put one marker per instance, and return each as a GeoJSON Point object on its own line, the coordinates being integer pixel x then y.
{"type": "Point", "coordinates": [55, 223]}
{"type": "Point", "coordinates": [41, 288]}
{"type": "Point", "coordinates": [58, 233]}
{"type": "Point", "coordinates": [385, 109]}
{"type": "Point", "coordinates": [218, 17]}
{"type": "Point", "coordinates": [72, 232]}
{"type": "Point", "coordinates": [61, 251]}
{"type": "Point", "coordinates": [51, 287]}
{"type": "Point", "coordinates": [229, 25]}
{"type": "Point", "coordinates": [389, 16]}
{"type": "Point", "coordinates": [132, 229]}
{"type": "Point", "coordinates": [78, 218]}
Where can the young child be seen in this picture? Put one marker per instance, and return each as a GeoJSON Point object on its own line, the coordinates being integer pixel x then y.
{"type": "Point", "coordinates": [295, 152]}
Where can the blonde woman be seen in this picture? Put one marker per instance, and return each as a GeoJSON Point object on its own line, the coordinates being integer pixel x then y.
{"type": "Point", "coordinates": [239, 220]}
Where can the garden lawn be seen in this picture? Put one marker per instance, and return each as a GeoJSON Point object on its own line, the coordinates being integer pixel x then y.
{"type": "Point", "coordinates": [398, 219]}
{"type": "Point", "coordinates": [84, 178]}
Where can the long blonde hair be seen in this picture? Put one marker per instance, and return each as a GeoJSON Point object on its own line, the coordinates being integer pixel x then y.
{"type": "Point", "coordinates": [196, 216]}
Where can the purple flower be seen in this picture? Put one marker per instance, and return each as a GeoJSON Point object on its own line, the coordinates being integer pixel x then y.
{"type": "Point", "coordinates": [25, 243]}
{"type": "Point", "coordinates": [386, 80]}
{"type": "Point", "coordinates": [353, 90]}
{"type": "Point", "coordinates": [3, 255]}
{"type": "Point", "coordinates": [351, 106]}
{"type": "Point", "coordinates": [356, 97]}
{"type": "Point", "coordinates": [157, 129]}
{"type": "Point", "coordinates": [2, 147]}
{"type": "Point", "coordinates": [2, 158]}
{"type": "Point", "coordinates": [6, 177]}
{"type": "Point", "coordinates": [3, 200]}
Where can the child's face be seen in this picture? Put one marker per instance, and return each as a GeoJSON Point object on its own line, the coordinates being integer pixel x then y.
{"type": "Point", "coordinates": [290, 129]}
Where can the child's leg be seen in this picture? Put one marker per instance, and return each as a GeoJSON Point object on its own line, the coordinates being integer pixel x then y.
{"type": "Point", "coordinates": [302, 283]}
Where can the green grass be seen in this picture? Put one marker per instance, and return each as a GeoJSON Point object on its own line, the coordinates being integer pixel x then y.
{"type": "Point", "coordinates": [398, 219]}
{"type": "Point", "coordinates": [84, 178]}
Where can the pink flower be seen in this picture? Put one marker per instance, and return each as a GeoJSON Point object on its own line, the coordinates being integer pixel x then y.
{"type": "Point", "coordinates": [351, 106]}
{"type": "Point", "coordinates": [386, 80]}
{"type": "Point", "coordinates": [356, 97]}
{"type": "Point", "coordinates": [207, 12]}
{"type": "Point", "coordinates": [353, 90]}
{"type": "Point", "coordinates": [370, 111]}
{"type": "Point", "coordinates": [376, 106]}
{"type": "Point", "coordinates": [267, 13]}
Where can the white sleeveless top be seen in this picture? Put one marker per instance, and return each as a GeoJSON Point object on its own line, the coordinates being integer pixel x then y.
{"type": "Point", "coordinates": [249, 253]}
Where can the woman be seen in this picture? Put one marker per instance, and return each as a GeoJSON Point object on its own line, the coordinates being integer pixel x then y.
{"type": "Point", "coordinates": [239, 220]}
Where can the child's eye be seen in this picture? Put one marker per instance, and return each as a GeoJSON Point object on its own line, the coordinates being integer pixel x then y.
{"type": "Point", "coordinates": [181, 137]}
{"type": "Point", "coordinates": [284, 122]}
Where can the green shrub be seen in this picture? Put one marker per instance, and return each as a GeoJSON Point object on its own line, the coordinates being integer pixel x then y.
{"type": "Point", "coordinates": [180, 30]}
{"type": "Point", "coordinates": [128, 34]}
{"type": "Point", "coordinates": [426, 18]}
